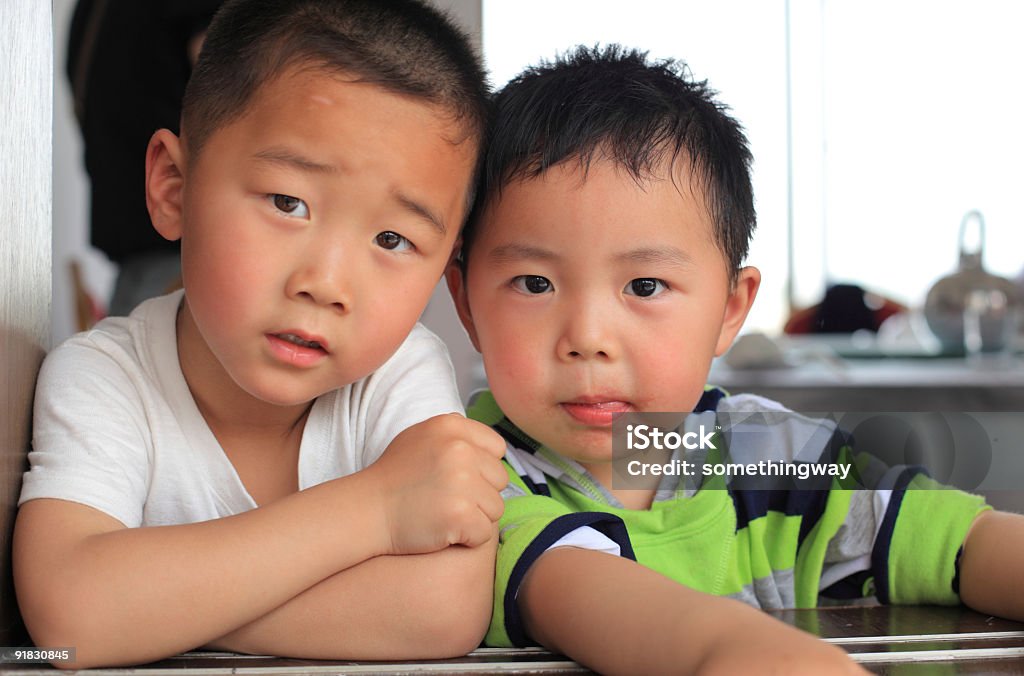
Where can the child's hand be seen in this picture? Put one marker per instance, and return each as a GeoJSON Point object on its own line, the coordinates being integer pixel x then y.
{"type": "Point", "coordinates": [440, 481]}
{"type": "Point", "coordinates": [771, 647]}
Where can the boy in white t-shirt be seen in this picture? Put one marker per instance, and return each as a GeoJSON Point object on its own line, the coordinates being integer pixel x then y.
{"type": "Point", "coordinates": [252, 463]}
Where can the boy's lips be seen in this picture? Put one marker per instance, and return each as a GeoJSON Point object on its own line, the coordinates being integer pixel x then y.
{"type": "Point", "coordinates": [297, 348]}
{"type": "Point", "coordinates": [595, 411]}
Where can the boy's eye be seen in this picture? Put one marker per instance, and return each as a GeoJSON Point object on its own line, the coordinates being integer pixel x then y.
{"type": "Point", "coordinates": [532, 284]}
{"type": "Point", "coordinates": [392, 241]}
{"type": "Point", "coordinates": [645, 287]}
{"type": "Point", "coordinates": [292, 206]}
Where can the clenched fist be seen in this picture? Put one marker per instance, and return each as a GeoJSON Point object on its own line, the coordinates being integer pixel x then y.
{"type": "Point", "coordinates": [440, 482]}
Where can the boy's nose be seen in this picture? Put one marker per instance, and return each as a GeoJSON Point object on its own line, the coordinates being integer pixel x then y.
{"type": "Point", "coordinates": [322, 281]}
{"type": "Point", "coordinates": [587, 334]}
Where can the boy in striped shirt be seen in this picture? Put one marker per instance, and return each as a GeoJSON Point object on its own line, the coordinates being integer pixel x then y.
{"type": "Point", "coordinates": [600, 273]}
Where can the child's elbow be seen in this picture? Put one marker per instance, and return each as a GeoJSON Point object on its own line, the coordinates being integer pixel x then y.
{"type": "Point", "coordinates": [452, 633]}
{"type": "Point", "coordinates": [48, 624]}
{"type": "Point", "coordinates": [50, 633]}
{"type": "Point", "coordinates": [59, 620]}
{"type": "Point", "coordinates": [51, 629]}
{"type": "Point", "coordinates": [457, 608]}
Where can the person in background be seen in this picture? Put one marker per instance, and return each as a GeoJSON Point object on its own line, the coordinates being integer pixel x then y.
{"type": "Point", "coordinates": [846, 308]}
{"type": "Point", "coordinates": [128, 64]}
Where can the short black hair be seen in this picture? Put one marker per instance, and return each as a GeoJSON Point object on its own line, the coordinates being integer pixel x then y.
{"type": "Point", "coordinates": [404, 46]}
{"type": "Point", "coordinates": [613, 103]}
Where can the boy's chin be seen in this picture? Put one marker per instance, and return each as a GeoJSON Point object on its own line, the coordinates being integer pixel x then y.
{"type": "Point", "coordinates": [595, 449]}
{"type": "Point", "coordinates": [282, 396]}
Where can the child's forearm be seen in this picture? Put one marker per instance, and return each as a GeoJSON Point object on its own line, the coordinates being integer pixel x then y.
{"type": "Point", "coordinates": [130, 595]}
{"type": "Point", "coordinates": [422, 606]}
{"type": "Point", "coordinates": [123, 596]}
{"type": "Point", "coordinates": [991, 565]}
{"type": "Point", "coordinates": [616, 616]}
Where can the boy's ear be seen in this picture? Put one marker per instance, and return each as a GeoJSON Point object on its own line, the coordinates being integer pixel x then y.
{"type": "Point", "coordinates": [741, 298]}
{"type": "Point", "coordinates": [165, 183]}
{"type": "Point", "coordinates": [456, 279]}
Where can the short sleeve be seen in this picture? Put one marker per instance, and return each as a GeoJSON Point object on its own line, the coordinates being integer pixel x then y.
{"type": "Point", "coordinates": [900, 541]}
{"type": "Point", "coordinates": [916, 551]}
{"type": "Point", "coordinates": [530, 525]}
{"type": "Point", "coordinates": [89, 439]}
{"type": "Point", "coordinates": [416, 383]}
{"type": "Point", "coordinates": [901, 544]}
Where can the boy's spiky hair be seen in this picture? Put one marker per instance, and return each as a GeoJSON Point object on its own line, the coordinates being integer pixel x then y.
{"type": "Point", "coordinates": [613, 103]}
{"type": "Point", "coordinates": [403, 46]}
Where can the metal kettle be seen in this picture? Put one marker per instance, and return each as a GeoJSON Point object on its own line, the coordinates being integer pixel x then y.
{"type": "Point", "coordinates": [972, 310]}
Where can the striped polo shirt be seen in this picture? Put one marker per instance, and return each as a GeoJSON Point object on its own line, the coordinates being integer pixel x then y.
{"type": "Point", "coordinates": [898, 540]}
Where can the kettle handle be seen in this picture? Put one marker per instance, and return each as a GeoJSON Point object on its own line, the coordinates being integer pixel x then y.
{"type": "Point", "coordinates": [972, 259]}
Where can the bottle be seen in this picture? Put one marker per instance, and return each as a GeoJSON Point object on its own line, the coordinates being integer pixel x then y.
{"type": "Point", "coordinates": [986, 305]}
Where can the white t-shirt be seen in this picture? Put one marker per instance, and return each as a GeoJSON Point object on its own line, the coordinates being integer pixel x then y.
{"type": "Point", "coordinates": [117, 429]}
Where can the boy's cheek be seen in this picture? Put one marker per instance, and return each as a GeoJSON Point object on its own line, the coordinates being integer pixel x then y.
{"type": "Point", "coordinates": [513, 362]}
{"type": "Point", "coordinates": [668, 382]}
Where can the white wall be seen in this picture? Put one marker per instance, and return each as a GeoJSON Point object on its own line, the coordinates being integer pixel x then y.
{"type": "Point", "coordinates": [25, 109]}
{"type": "Point", "coordinates": [909, 118]}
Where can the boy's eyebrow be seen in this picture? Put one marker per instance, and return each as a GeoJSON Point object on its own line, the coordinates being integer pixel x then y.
{"type": "Point", "coordinates": [517, 252]}
{"type": "Point", "coordinates": [669, 255]}
{"type": "Point", "coordinates": [422, 211]}
{"type": "Point", "coordinates": [657, 255]}
{"type": "Point", "coordinates": [291, 159]}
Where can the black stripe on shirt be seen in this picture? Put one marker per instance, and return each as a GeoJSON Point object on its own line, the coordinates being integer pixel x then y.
{"type": "Point", "coordinates": [754, 504]}
{"type": "Point", "coordinates": [807, 503]}
{"type": "Point", "coordinates": [607, 524]}
{"type": "Point", "coordinates": [880, 552]}
{"type": "Point", "coordinates": [515, 436]}
{"type": "Point", "coordinates": [709, 400]}
{"type": "Point", "coordinates": [850, 587]}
